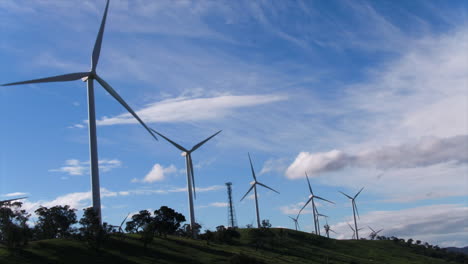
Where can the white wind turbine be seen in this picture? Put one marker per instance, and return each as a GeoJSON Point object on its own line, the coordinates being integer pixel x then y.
{"type": "Point", "coordinates": [296, 224]}
{"type": "Point", "coordinates": [355, 210]}
{"type": "Point", "coordinates": [314, 208]}
{"type": "Point", "coordinates": [374, 233]}
{"type": "Point", "coordinates": [254, 187]}
{"type": "Point", "coordinates": [190, 175]}
{"type": "Point", "coordinates": [89, 77]}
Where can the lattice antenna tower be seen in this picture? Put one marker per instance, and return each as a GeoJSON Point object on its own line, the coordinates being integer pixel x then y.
{"type": "Point", "coordinates": [232, 222]}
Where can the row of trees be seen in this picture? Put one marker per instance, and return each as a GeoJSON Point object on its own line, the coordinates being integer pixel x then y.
{"type": "Point", "coordinates": [62, 222]}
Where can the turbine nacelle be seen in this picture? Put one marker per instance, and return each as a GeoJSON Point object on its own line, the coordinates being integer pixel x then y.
{"type": "Point", "coordinates": [253, 182]}
{"type": "Point", "coordinates": [184, 154]}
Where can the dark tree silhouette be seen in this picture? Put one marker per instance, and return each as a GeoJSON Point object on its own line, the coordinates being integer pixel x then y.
{"type": "Point", "coordinates": [55, 222]}
{"type": "Point", "coordinates": [138, 221]}
{"type": "Point", "coordinates": [167, 221]}
{"type": "Point", "coordinates": [14, 231]}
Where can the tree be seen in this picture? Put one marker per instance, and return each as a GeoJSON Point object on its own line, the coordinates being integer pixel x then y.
{"type": "Point", "coordinates": [138, 221]}
{"type": "Point", "coordinates": [208, 236]}
{"type": "Point", "coordinates": [409, 242]}
{"type": "Point", "coordinates": [14, 231]}
{"type": "Point", "coordinates": [91, 230]}
{"type": "Point", "coordinates": [167, 220]}
{"type": "Point", "coordinates": [418, 242]}
{"type": "Point", "coordinates": [55, 222]}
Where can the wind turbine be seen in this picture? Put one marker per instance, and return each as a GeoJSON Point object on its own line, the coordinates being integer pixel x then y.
{"type": "Point", "coordinates": [374, 233]}
{"type": "Point", "coordinates": [314, 208]}
{"type": "Point", "coordinates": [354, 231]}
{"type": "Point", "coordinates": [318, 222]}
{"type": "Point", "coordinates": [254, 187]}
{"type": "Point", "coordinates": [355, 210]}
{"type": "Point", "coordinates": [190, 175]}
{"type": "Point", "coordinates": [296, 224]}
{"type": "Point", "coordinates": [328, 229]}
{"type": "Point", "coordinates": [89, 77]}
{"type": "Point", "coordinates": [11, 200]}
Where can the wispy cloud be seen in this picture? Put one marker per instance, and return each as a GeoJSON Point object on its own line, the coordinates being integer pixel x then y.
{"type": "Point", "coordinates": [184, 109]}
{"type": "Point", "coordinates": [15, 194]}
{"type": "Point", "coordinates": [77, 167]}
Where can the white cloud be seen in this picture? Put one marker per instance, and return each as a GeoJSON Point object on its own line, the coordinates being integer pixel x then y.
{"type": "Point", "coordinates": [443, 224]}
{"type": "Point", "coordinates": [76, 167]}
{"type": "Point", "coordinates": [157, 173]}
{"type": "Point", "coordinates": [426, 152]}
{"type": "Point", "coordinates": [15, 194]}
{"type": "Point", "coordinates": [215, 204]}
{"type": "Point", "coordinates": [192, 109]}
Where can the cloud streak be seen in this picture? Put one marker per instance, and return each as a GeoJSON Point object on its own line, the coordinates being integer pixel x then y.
{"type": "Point", "coordinates": [183, 109]}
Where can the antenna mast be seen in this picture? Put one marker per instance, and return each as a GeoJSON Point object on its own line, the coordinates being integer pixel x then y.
{"type": "Point", "coordinates": [232, 222]}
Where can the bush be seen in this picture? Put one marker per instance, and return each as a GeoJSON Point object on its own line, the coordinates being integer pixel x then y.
{"type": "Point", "coordinates": [55, 222]}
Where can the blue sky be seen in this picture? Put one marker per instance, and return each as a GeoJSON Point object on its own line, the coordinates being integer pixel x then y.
{"type": "Point", "coordinates": [356, 93]}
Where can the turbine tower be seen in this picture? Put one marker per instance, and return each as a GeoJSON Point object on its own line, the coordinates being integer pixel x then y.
{"type": "Point", "coordinates": [355, 210]}
{"type": "Point", "coordinates": [190, 175]}
{"type": "Point", "coordinates": [296, 224]}
{"type": "Point", "coordinates": [314, 208]}
{"type": "Point", "coordinates": [231, 214]}
{"type": "Point", "coordinates": [254, 187]}
{"type": "Point", "coordinates": [89, 78]}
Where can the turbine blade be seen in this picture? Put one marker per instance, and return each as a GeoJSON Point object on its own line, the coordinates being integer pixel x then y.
{"type": "Point", "coordinates": [308, 201]}
{"type": "Point", "coordinates": [97, 44]}
{"type": "Point", "coordinates": [250, 189]}
{"type": "Point", "coordinates": [351, 227]}
{"type": "Point", "coordinates": [371, 229]}
{"type": "Point", "coordinates": [251, 167]}
{"type": "Point", "coordinates": [59, 78]}
{"type": "Point", "coordinates": [333, 231]}
{"type": "Point", "coordinates": [323, 199]}
{"type": "Point", "coordinates": [204, 141]}
{"type": "Point", "coordinates": [10, 200]}
{"type": "Point", "coordinates": [379, 231]}
{"type": "Point", "coordinates": [261, 184]}
{"type": "Point", "coordinates": [170, 141]}
{"type": "Point", "coordinates": [124, 221]}
{"type": "Point", "coordinates": [358, 193]}
{"type": "Point", "coordinates": [308, 182]}
{"type": "Point", "coordinates": [117, 97]}
{"type": "Point", "coordinates": [191, 173]}
{"type": "Point", "coordinates": [346, 195]}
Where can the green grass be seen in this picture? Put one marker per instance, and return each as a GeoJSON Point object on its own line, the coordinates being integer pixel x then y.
{"type": "Point", "coordinates": [290, 247]}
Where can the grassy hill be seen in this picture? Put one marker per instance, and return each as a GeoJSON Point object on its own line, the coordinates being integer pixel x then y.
{"type": "Point", "coordinates": [288, 247]}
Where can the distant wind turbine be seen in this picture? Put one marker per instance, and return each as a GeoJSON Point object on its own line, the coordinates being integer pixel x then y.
{"type": "Point", "coordinates": [296, 224]}
{"type": "Point", "coordinates": [254, 187]}
{"type": "Point", "coordinates": [89, 77]}
{"type": "Point", "coordinates": [318, 222]}
{"type": "Point", "coordinates": [328, 229]}
{"type": "Point", "coordinates": [190, 175]}
{"type": "Point", "coordinates": [355, 231]}
{"type": "Point", "coordinates": [374, 233]}
{"type": "Point", "coordinates": [355, 210]}
{"type": "Point", "coordinates": [314, 208]}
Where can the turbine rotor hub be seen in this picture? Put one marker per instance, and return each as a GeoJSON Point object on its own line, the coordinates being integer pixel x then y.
{"type": "Point", "coordinates": [183, 154]}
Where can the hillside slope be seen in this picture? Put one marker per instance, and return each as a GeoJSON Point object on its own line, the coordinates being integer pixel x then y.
{"type": "Point", "coordinates": [289, 247]}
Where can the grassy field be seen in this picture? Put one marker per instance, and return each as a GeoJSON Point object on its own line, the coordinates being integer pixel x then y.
{"type": "Point", "coordinates": [289, 247]}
